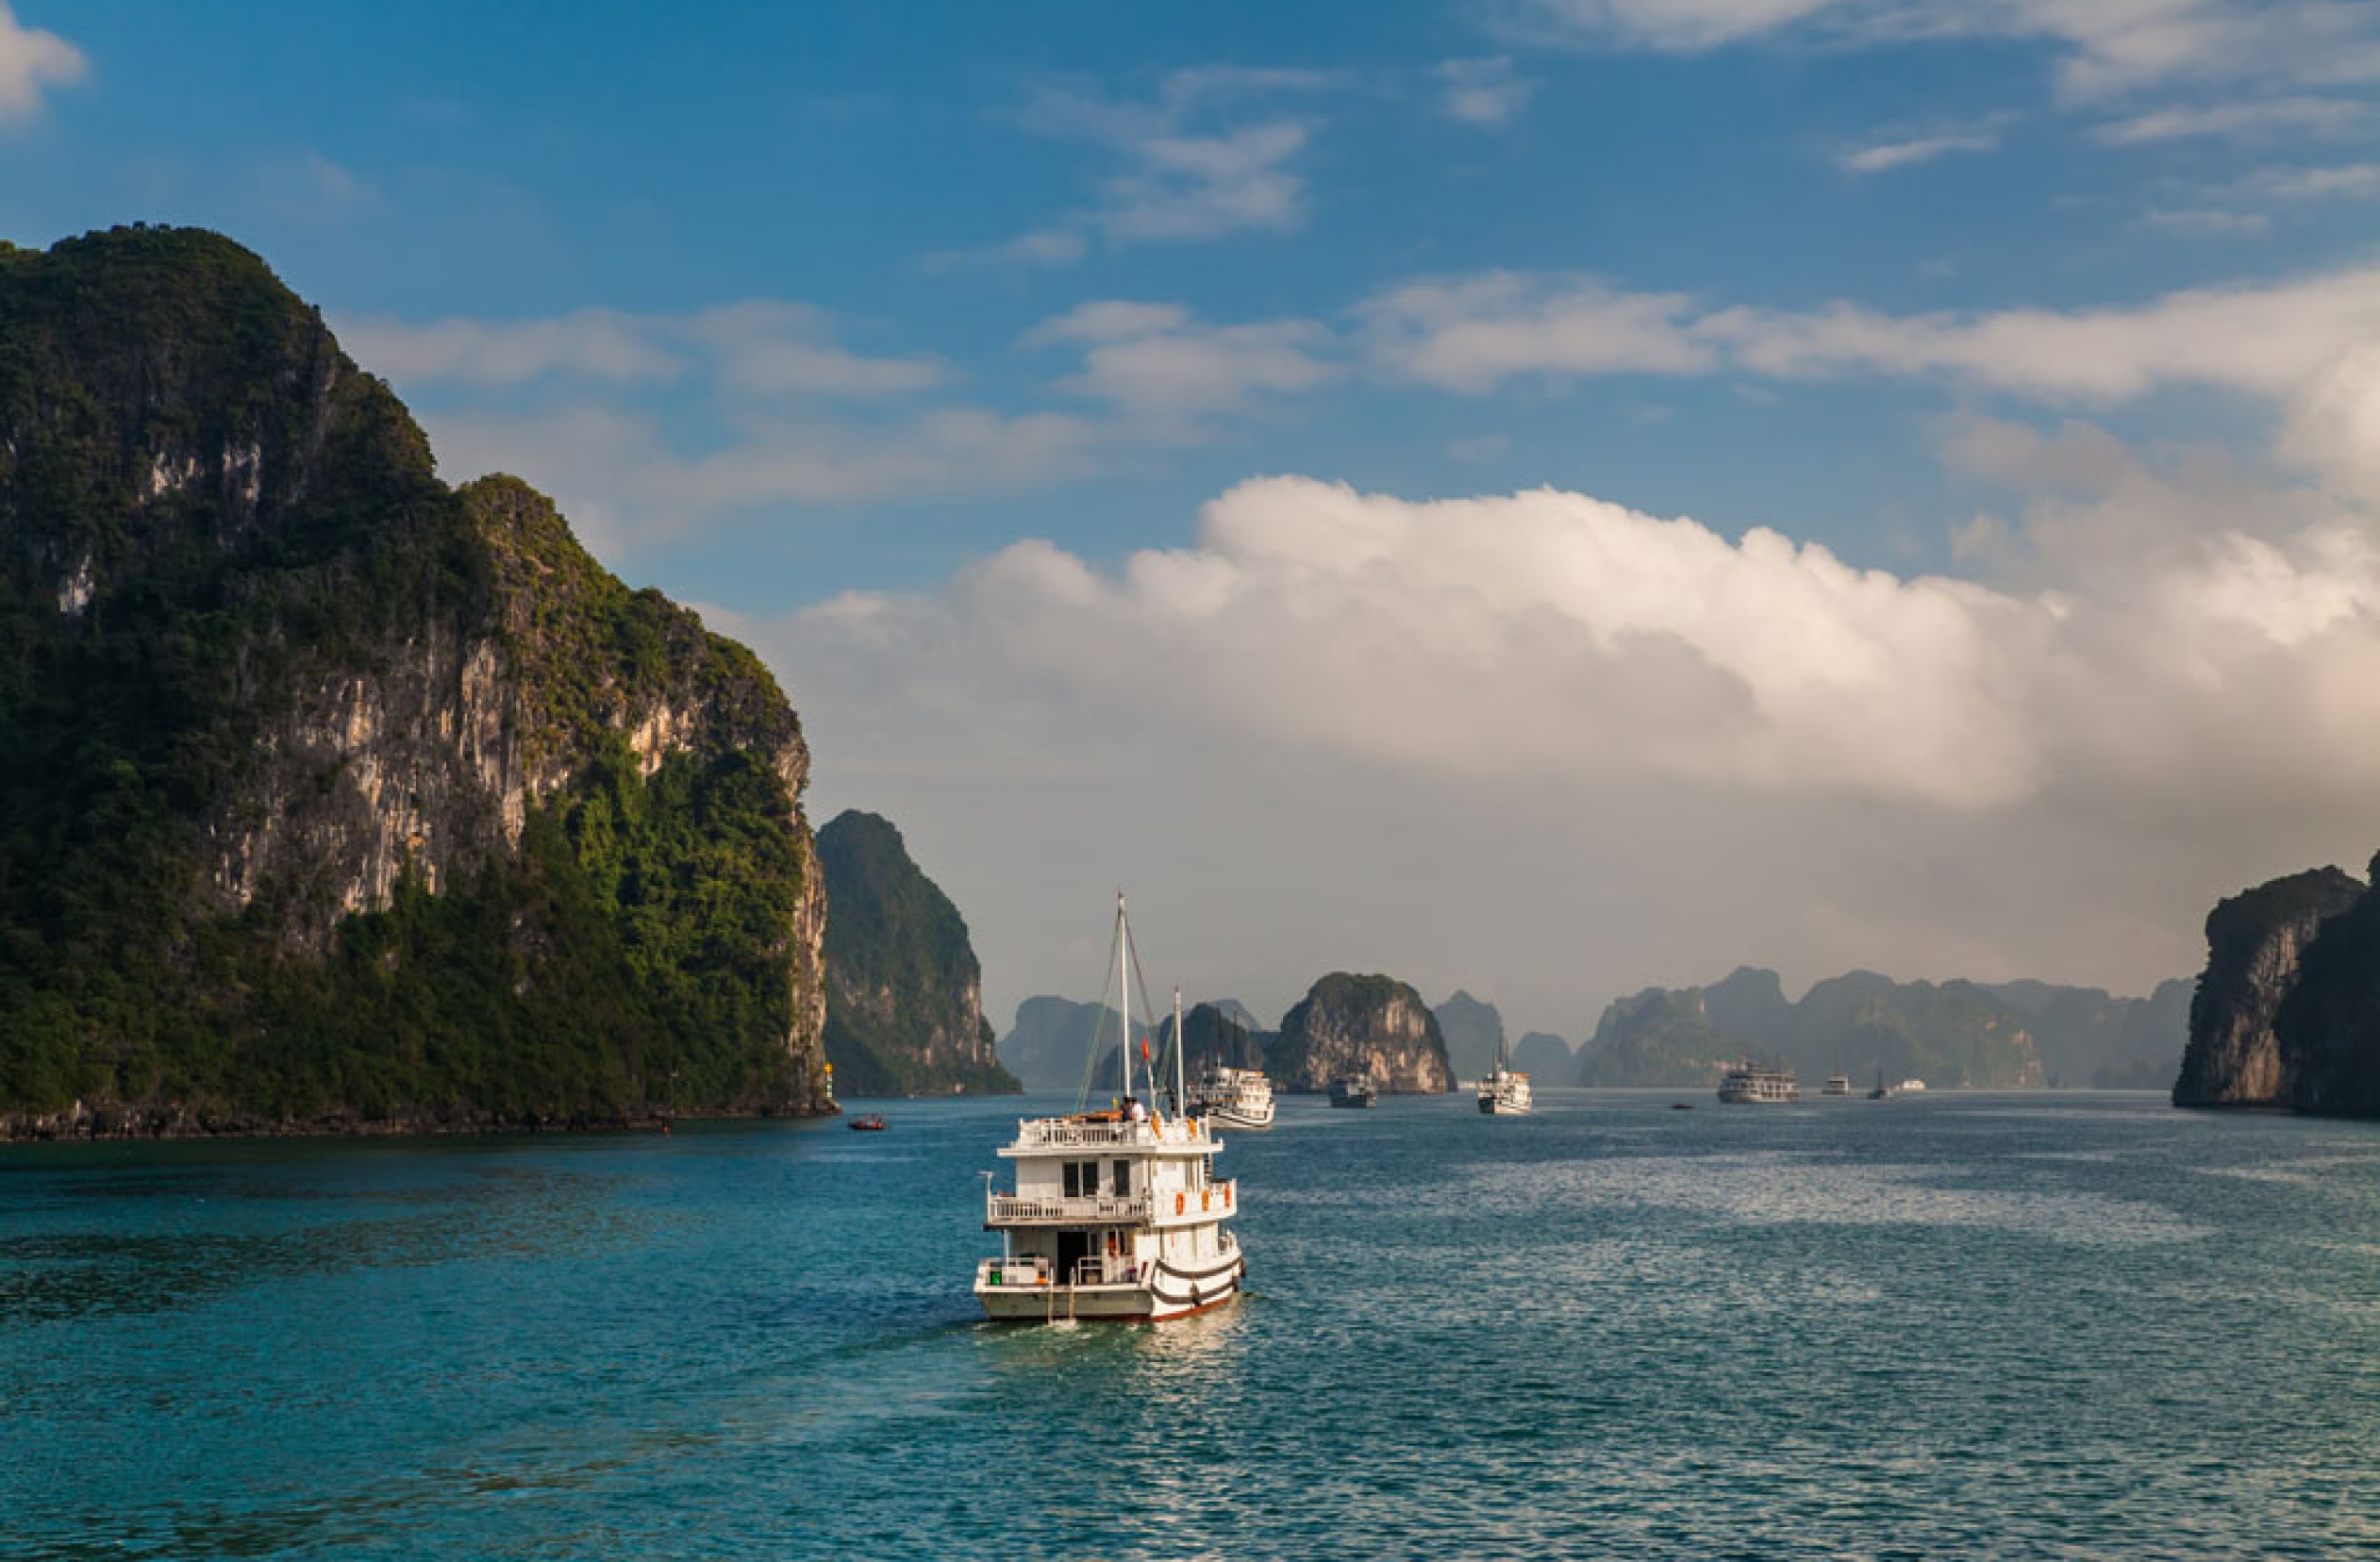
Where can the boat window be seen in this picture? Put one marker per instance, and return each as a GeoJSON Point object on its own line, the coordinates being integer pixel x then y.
{"type": "Point", "coordinates": [1124, 1179]}
{"type": "Point", "coordinates": [1082, 1179]}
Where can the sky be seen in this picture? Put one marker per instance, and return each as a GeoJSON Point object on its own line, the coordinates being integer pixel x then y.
{"type": "Point", "coordinates": [1546, 497]}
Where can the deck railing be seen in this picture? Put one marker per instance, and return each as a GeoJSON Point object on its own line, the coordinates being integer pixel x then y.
{"type": "Point", "coordinates": [1069, 1134]}
{"type": "Point", "coordinates": [1019, 1209]}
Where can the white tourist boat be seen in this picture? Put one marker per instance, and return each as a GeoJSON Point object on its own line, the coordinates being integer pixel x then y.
{"type": "Point", "coordinates": [1232, 1098]}
{"type": "Point", "coordinates": [1505, 1092]}
{"type": "Point", "coordinates": [1116, 1214]}
{"type": "Point", "coordinates": [1758, 1083]}
{"type": "Point", "coordinates": [1838, 1083]}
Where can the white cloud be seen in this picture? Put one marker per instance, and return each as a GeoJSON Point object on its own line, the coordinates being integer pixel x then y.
{"type": "Point", "coordinates": [761, 346]}
{"type": "Point", "coordinates": [2350, 181]}
{"type": "Point", "coordinates": [2100, 48]}
{"type": "Point", "coordinates": [2276, 118]}
{"type": "Point", "coordinates": [2334, 424]}
{"type": "Point", "coordinates": [1485, 92]}
{"type": "Point", "coordinates": [1470, 335]}
{"type": "Point", "coordinates": [1548, 746]}
{"type": "Point", "coordinates": [1909, 152]}
{"type": "Point", "coordinates": [1156, 360]}
{"type": "Point", "coordinates": [2209, 221]}
{"type": "Point", "coordinates": [33, 60]}
{"type": "Point", "coordinates": [626, 482]}
{"type": "Point", "coordinates": [1206, 159]}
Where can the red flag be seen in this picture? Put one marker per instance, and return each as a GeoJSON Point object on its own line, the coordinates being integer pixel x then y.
{"type": "Point", "coordinates": [1145, 1049]}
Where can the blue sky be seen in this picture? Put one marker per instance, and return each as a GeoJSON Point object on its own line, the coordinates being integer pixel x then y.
{"type": "Point", "coordinates": [2043, 311]}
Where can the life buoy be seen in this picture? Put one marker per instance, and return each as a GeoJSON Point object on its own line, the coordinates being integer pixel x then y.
{"type": "Point", "coordinates": [1179, 1204]}
{"type": "Point", "coordinates": [1206, 1199]}
{"type": "Point", "coordinates": [1227, 1195]}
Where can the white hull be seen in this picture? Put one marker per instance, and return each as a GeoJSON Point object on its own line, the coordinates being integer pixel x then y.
{"type": "Point", "coordinates": [1163, 1296]}
{"type": "Point", "coordinates": [1490, 1106]}
{"type": "Point", "coordinates": [1240, 1117]}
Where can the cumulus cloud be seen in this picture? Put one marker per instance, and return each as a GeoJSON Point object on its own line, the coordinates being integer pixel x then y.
{"type": "Point", "coordinates": [32, 62]}
{"type": "Point", "coordinates": [1557, 747]}
{"type": "Point", "coordinates": [1470, 335]}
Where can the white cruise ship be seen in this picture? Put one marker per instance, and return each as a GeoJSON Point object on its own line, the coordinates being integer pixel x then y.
{"type": "Point", "coordinates": [1505, 1092]}
{"type": "Point", "coordinates": [1116, 1214]}
{"type": "Point", "coordinates": [1757, 1084]}
{"type": "Point", "coordinates": [1232, 1098]}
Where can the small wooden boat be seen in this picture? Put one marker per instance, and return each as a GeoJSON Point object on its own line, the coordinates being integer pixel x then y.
{"type": "Point", "coordinates": [872, 1122]}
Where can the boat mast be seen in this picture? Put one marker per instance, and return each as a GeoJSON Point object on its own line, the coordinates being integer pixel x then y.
{"type": "Point", "coordinates": [1180, 1091]}
{"type": "Point", "coordinates": [1124, 990]}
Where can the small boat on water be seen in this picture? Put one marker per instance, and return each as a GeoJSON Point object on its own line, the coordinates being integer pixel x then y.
{"type": "Point", "coordinates": [1115, 1215]}
{"type": "Point", "coordinates": [1838, 1083]}
{"type": "Point", "coordinates": [1882, 1091]}
{"type": "Point", "coordinates": [1758, 1083]}
{"type": "Point", "coordinates": [1505, 1092]}
{"type": "Point", "coordinates": [1353, 1091]}
{"type": "Point", "coordinates": [1910, 1087]}
{"type": "Point", "coordinates": [1232, 1098]}
{"type": "Point", "coordinates": [872, 1122]}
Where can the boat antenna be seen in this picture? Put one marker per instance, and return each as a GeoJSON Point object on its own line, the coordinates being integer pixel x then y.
{"type": "Point", "coordinates": [1180, 1091]}
{"type": "Point", "coordinates": [1123, 988]}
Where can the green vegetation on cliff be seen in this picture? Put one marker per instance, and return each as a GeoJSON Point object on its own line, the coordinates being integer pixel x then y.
{"type": "Point", "coordinates": [904, 991]}
{"type": "Point", "coordinates": [318, 793]}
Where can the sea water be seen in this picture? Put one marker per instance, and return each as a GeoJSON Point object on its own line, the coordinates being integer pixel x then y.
{"type": "Point", "coordinates": [1953, 1326]}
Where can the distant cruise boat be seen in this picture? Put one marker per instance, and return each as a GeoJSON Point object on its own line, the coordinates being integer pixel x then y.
{"type": "Point", "coordinates": [1909, 1087]}
{"type": "Point", "coordinates": [1353, 1091]}
{"type": "Point", "coordinates": [1235, 1098]}
{"type": "Point", "coordinates": [1505, 1092]}
{"type": "Point", "coordinates": [1882, 1091]}
{"type": "Point", "coordinates": [1837, 1084]}
{"type": "Point", "coordinates": [1758, 1083]}
{"type": "Point", "coordinates": [1116, 1214]}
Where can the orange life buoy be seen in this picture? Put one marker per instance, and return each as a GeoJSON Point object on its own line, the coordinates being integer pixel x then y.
{"type": "Point", "coordinates": [1206, 1199]}
{"type": "Point", "coordinates": [1178, 1204]}
{"type": "Point", "coordinates": [1227, 1195]}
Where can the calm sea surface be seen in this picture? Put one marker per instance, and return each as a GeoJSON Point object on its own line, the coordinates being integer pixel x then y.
{"type": "Point", "coordinates": [1951, 1326]}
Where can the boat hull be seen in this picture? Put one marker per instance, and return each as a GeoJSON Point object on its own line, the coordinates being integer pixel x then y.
{"type": "Point", "coordinates": [1227, 1118]}
{"type": "Point", "coordinates": [1166, 1295]}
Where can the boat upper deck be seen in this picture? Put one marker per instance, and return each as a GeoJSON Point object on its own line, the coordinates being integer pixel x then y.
{"type": "Point", "coordinates": [1109, 1131]}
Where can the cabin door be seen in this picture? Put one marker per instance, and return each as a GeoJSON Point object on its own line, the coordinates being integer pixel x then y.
{"type": "Point", "coordinates": [1072, 1248]}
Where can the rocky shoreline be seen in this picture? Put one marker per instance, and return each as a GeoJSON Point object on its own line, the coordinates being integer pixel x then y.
{"type": "Point", "coordinates": [113, 1120]}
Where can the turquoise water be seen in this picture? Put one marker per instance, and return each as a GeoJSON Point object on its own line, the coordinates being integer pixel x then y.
{"type": "Point", "coordinates": [1948, 1326]}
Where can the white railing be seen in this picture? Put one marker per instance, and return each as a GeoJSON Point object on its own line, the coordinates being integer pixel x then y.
{"type": "Point", "coordinates": [1215, 1198]}
{"type": "Point", "coordinates": [1021, 1209]}
{"type": "Point", "coordinates": [1028, 1273]}
{"type": "Point", "coordinates": [1069, 1134]}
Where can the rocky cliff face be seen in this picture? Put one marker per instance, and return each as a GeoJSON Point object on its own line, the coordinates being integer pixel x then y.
{"type": "Point", "coordinates": [2258, 945]}
{"type": "Point", "coordinates": [1369, 1025]}
{"type": "Point", "coordinates": [1951, 1034]}
{"type": "Point", "coordinates": [903, 991]}
{"type": "Point", "coordinates": [331, 795]}
{"type": "Point", "coordinates": [1658, 1037]}
{"type": "Point", "coordinates": [1472, 1030]}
